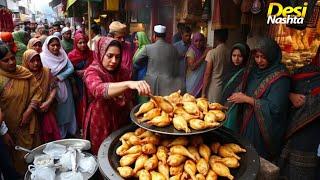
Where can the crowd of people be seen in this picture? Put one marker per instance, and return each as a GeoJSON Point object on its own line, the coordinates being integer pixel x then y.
{"type": "Point", "coordinates": [57, 83]}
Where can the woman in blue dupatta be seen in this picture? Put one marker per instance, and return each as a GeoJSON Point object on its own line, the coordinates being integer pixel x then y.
{"type": "Point", "coordinates": [141, 39]}
{"type": "Point", "coordinates": [263, 100]}
{"type": "Point", "coordinates": [196, 64]}
{"type": "Point", "coordinates": [299, 159]}
{"type": "Point", "coordinates": [239, 57]}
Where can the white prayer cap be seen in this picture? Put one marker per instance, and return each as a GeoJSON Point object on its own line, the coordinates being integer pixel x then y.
{"type": "Point", "coordinates": [65, 29]}
{"type": "Point", "coordinates": [159, 29]}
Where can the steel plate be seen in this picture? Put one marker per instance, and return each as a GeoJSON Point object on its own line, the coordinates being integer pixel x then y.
{"type": "Point", "coordinates": [249, 164]}
{"type": "Point", "coordinates": [169, 130]}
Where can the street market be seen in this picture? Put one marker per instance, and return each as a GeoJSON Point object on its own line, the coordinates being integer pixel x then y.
{"type": "Point", "coordinates": [159, 89]}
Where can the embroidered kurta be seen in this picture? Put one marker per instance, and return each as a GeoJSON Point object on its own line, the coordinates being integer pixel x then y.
{"type": "Point", "coordinates": [104, 114]}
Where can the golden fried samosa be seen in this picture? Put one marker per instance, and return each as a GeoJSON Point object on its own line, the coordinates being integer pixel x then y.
{"type": "Point", "coordinates": [162, 153]}
{"type": "Point", "coordinates": [157, 176]}
{"type": "Point", "coordinates": [176, 159]}
{"type": "Point", "coordinates": [227, 152]}
{"type": "Point", "coordinates": [181, 124]}
{"type": "Point", "coordinates": [145, 107]}
{"type": "Point", "coordinates": [188, 98]}
{"type": "Point", "coordinates": [191, 169]}
{"type": "Point", "coordinates": [150, 115]}
{"type": "Point", "coordinates": [129, 159]}
{"type": "Point", "coordinates": [151, 163]}
{"type": "Point", "coordinates": [139, 164]}
{"type": "Point", "coordinates": [163, 168]}
{"type": "Point", "coordinates": [164, 104]}
{"type": "Point", "coordinates": [204, 151]}
{"type": "Point", "coordinates": [149, 149]}
{"type": "Point", "coordinates": [221, 170]}
{"type": "Point", "coordinates": [178, 149]}
{"type": "Point", "coordinates": [182, 140]}
{"type": "Point", "coordinates": [176, 170]}
{"type": "Point", "coordinates": [203, 166]}
{"type": "Point", "coordinates": [203, 104]}
{"type": "Point", "coordinates": [235, 148]}
{"type": "Point", "coordinates": [125, 171]}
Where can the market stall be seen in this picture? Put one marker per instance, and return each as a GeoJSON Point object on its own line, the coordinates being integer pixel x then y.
{"type": "Point", "coordinates": [177, 137]}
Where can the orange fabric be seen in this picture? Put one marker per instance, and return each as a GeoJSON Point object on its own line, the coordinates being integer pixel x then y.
{"type": "Point", "coordinates": [6, 36]}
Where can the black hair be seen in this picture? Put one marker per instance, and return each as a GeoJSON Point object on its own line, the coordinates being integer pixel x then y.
{"type": "Point", "coordinates": [95, 28]}
{"type": "Point", "coordinates": [52, 39]}
{"type": "Point", "coordinates": [3, 50]}
{"type": "Point", "coordinates": [186, 29]}
{"type": "Point", "coordinates": [221, 35]}
{"type": "Point", "coordinates": [56, 24]}
{"type": "Point", "coordinates": [180, 25]}
{"type": "Point", "coordinates": [27, 28]}
{"type": "Point", "coordinates": [160, 35]}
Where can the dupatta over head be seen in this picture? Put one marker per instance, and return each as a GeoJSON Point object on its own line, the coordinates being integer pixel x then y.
{"type": "Point", "coordinates": [194, 78]}
{"type": "Point", "coordinates": [76, 55]}
{"type": "Point", "coordinates": [56, 64]}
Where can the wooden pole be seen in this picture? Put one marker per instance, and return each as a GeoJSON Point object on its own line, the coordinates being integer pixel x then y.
{"type": "Point", "coordinates": [89, 22]}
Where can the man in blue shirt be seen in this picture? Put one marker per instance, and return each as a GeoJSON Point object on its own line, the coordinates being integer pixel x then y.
{"type": "Point", "coordinates": [182, 47]}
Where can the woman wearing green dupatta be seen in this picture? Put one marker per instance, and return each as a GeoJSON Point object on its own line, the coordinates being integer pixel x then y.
{"type": "Point", "coordinates": [263, 99]}
{"type": "Point", "coordinates": [67, 41]}
{"type": "Point", "coordinates": [20, 38]}
{"type": "Point", "coordinates": [140, 40]}
{"type": "Point", "coordinates": [239, 57]}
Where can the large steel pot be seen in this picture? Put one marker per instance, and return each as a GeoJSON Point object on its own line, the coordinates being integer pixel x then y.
{"type": "Point", "coordinates": [108, 160]}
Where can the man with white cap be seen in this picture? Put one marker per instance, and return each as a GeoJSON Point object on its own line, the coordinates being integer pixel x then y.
{"type": "Point", "coordinates": [67, 41]}
{"type": "Point", "coordinates": [118, 31]}
{"type": "Point", "coordinates": [163, 72]}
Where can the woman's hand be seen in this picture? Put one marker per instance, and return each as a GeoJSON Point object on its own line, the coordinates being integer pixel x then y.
{"type": "Point", "coordinates": [26, 117]}
{"type": "Point", "coordinates": [44, 106]}
{"type": "Point", "coordinates": [239, 97]}
{"type": "Point", "coordinates": [142, 87]}
{"type": "Point", "coordinates": [297, 99]}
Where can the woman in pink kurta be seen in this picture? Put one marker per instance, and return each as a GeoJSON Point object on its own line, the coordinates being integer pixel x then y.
{"type": "Point", "coordinates": [109, 92]}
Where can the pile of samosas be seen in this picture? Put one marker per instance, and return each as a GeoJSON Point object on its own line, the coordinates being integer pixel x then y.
{"type": "Point", "coordinates": [146, 156]}
{"type": "Point", "coordinates": [181, 111]}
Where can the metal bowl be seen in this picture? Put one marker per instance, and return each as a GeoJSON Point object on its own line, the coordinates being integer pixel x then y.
{"type": "Point", "coordinates": [108, 160]}
{"type": "Point", "coordinates": [169, 130]}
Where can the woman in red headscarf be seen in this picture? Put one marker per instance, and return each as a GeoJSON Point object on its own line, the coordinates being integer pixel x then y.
{"type": "Point", "coordinates": [109, 92]}
{"type": "Point", "coordinates": [81, 57]}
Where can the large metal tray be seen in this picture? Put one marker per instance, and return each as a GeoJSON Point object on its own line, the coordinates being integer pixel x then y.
{"type": "Point", "coordinates": [169, 130]}
{"type": "Point", "coordinates": [108, 160]}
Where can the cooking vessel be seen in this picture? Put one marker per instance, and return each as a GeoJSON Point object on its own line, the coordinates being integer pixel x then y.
{"type": "Point", "coordinates": [169, 130]}
{"type": "Point", "coordinates": [108, 160]}
{"type": "Point", "coordinates": [81, 144]}
{"type": "Point", "coordinates": [27, 175]}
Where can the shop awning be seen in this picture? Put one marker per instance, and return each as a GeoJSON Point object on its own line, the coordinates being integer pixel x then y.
{"type": "Point", "coordinates": [54, 3]}
{"type": "Point", "coordinates": [71, 2]}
